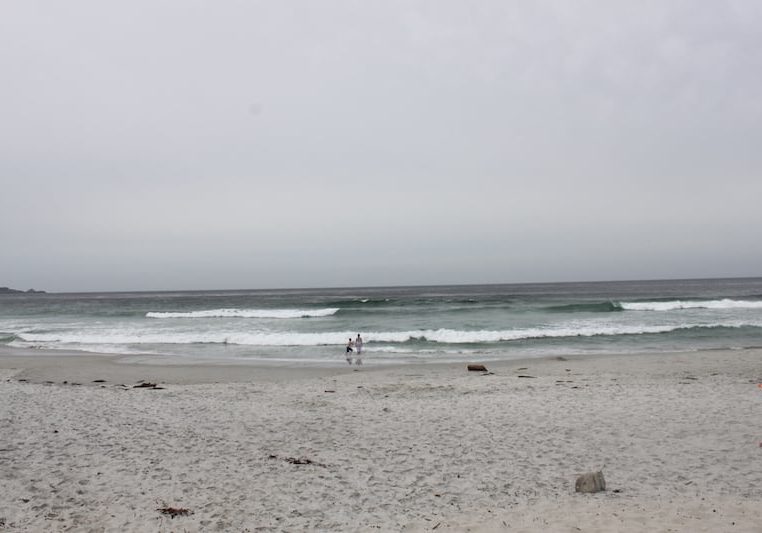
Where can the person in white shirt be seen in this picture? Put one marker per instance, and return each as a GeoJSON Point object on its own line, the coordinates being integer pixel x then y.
{"type": "Point", "coordinates": [358, 346]}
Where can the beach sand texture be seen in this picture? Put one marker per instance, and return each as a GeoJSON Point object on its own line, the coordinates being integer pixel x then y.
{"type": "Point", "coordinates": [409, 448]}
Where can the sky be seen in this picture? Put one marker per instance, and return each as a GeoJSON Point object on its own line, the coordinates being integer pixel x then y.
{"type": "Point", "coordinates": [182, 144]}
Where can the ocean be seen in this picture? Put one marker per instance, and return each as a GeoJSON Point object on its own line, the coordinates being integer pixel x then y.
{"type": "Point", "coordinates": [399, 324]}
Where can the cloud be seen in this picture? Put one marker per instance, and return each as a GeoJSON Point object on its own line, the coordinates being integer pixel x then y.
{"type": "Point", "coordinates": [449, 142]}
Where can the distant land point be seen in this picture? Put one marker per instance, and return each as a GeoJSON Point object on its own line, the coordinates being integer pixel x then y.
{"type": "Point", "coordinates": [6, 290]}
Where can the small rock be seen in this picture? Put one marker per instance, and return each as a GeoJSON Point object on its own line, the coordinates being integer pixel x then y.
{"type": "Point", "coordinates": [590, 482]}
{"type": "Point", "coordinates": [477, 368]}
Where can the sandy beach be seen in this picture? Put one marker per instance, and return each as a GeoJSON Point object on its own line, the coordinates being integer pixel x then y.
{"type": "Point", "coordinates": [406, 448]}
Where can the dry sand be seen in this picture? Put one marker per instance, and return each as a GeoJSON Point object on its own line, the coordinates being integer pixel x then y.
{"type": "Point", "coordinates": [412, 448]}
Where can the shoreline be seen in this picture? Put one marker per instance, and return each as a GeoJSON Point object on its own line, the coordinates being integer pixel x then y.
{"type": "Point", "coordinates": [40, 366]}
{"type": "Point", "coordinates": [406, 448]}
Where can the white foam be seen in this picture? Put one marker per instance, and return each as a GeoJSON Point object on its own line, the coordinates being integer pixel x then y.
{"type": "Point", "coordinates": [247, 313]}
{"type": "Point", "coordinates": [444, 336]}
{"type": "Point", "coordinates": [412, 351]}
{"type": "Point", "coordinates": [126, 337]}
{"type": "Point", "coordinates": [679, 304]}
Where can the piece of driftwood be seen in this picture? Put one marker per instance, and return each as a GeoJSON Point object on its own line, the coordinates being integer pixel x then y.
{"type": "Point", "coordinates": [590, 482]}
{"type": "Point", "coordinates": [146, 385]}
{"type": "Point", "coordinates": [526, 376]}
{"type": "Point", "coordinates": [300, 461]}
{"type": "Point", "coordinates": [477, 368]}
{"type": "Point", "coordinates": [297, 460]}
{"type": "Point", "coordinates": [174, 511]}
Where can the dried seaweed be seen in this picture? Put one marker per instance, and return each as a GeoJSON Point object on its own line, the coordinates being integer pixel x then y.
{"type": "Point", "coordinates": [147, 385]}
{"type": "Point", "coordinates": [174, 511]}
{"type": "Point", "coordinates": [297, 460]}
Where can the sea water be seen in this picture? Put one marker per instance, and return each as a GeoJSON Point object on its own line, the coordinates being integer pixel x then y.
{"type": "Point", "coordinates": [398, 324]}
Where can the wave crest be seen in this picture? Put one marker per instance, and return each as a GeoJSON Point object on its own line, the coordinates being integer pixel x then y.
{"type": "Point", "coordinates": [674, 305]}
{"type": "Point", "coordinates": [439, 336]}
{"type": "Point", "coordinates": [247, 313]}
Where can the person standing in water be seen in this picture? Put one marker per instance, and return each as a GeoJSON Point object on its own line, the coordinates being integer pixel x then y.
{"type": "Point", "coordinates": [350, 344]}
{"type": "Point", "coordinates": [358, 346]}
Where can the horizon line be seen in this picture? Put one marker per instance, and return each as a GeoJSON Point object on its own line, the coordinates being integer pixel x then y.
{"type": "Point", "coordinates": [39, 292]}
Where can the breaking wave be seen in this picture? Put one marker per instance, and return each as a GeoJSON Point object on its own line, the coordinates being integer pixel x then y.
{"type": "Point", "coordinates": [655, 305]}
{"type": "Point", "coordinates": [247, 313]}
{"type": "Point", "coordinates": [674, 305]}
{"type": "Point", "coordinates": [438, 336]}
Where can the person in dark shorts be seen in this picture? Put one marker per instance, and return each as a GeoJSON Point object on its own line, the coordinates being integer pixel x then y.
{"type": "Point", "coordinates": [350, 349]}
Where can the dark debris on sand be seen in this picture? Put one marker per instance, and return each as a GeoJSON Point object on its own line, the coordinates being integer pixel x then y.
{"type": "Point", "coordinates": [297, 460]}
{"type": "Point", "coordinates": [147, 385]}
{"type": "Point", "coordinates": [174, 511]}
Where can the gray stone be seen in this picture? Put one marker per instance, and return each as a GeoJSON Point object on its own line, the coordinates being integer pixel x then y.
{"type": "Point", "coordinates": [590, 482]}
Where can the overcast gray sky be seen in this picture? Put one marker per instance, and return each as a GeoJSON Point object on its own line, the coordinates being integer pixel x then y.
{"type": "Point", "coordinates": [239, 144]}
